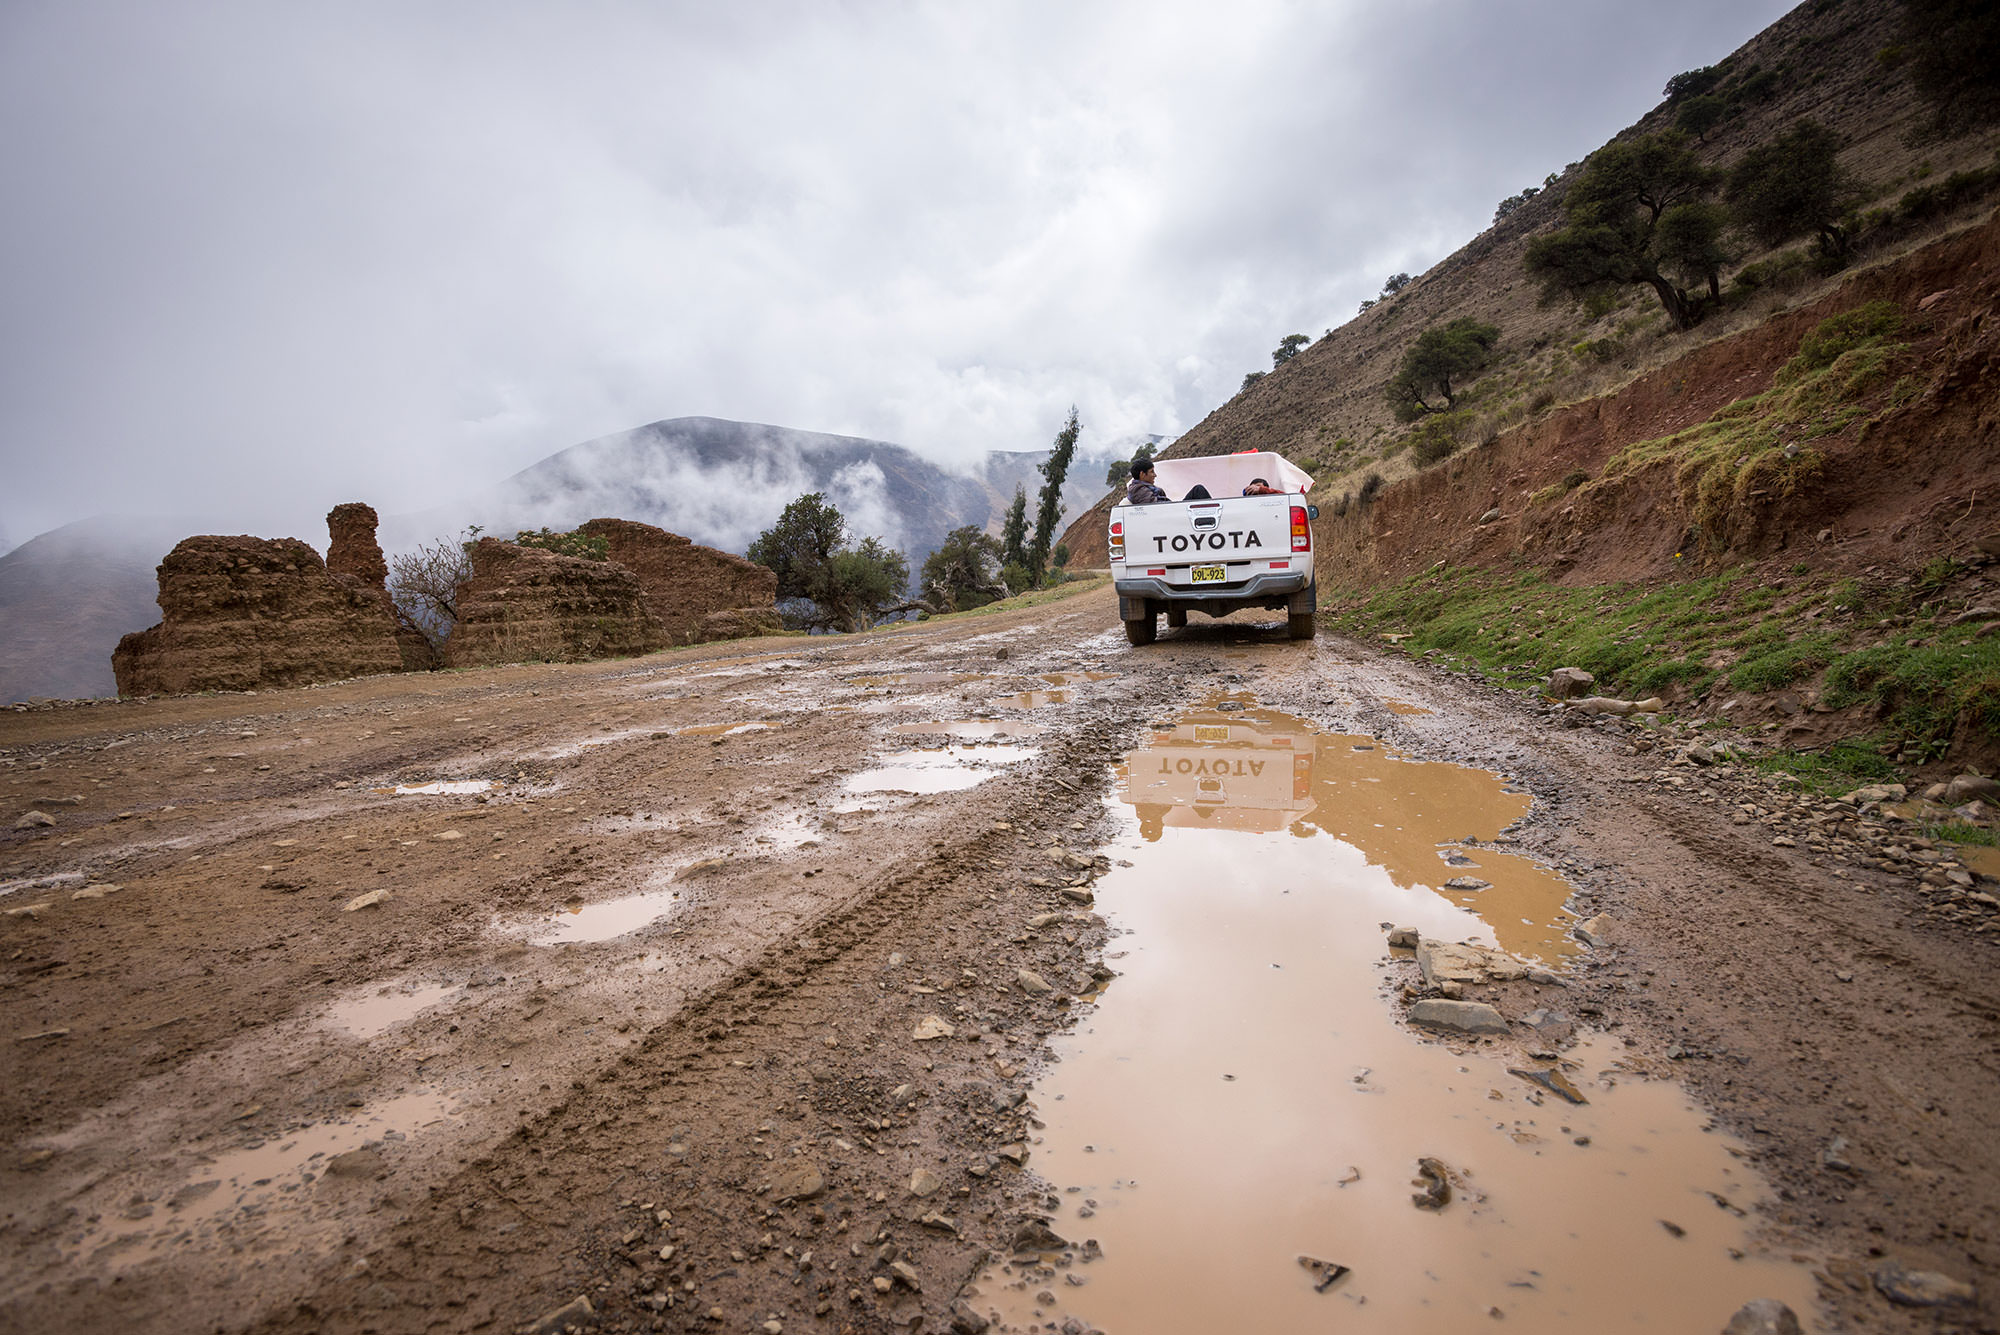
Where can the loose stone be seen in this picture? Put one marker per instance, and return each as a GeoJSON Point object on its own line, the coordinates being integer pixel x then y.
{"type": "Point", "coordinates": [1459, 1017]}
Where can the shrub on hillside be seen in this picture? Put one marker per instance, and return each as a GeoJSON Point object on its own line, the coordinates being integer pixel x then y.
{"type": "Point", "coordinates": [1839, 334]}
{"type": "Point", "coordinates": [582, 545]}
{"type": "Point", "coordinates": [1435, 438]}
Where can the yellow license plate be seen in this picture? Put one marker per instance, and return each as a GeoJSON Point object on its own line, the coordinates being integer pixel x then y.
{"type": "Point", "coordinates": [1211, 732]}
{"type": "Point", "coordinates": [1209, 574]}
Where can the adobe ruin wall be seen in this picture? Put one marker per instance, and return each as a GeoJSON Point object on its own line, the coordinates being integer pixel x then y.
{"type": "Point", "coordinates": [696, 593]}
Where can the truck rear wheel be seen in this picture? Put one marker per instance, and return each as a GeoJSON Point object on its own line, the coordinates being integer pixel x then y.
{"type": "Point", "coordinates": [1142, 630]}
{"type": "Point", "coordinates": [1301, 625]}
{"type": "Point", "coordinates": [1176, 617]}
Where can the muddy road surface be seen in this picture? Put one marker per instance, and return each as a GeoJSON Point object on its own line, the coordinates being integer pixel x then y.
{"type": "Point", "coordinates": [983, 973]}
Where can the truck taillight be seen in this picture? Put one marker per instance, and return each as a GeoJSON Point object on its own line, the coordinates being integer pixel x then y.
{"type": "Point", "coordinates": [1302, 539]}
{"type": "Point", "coordinates": [1118, 540]}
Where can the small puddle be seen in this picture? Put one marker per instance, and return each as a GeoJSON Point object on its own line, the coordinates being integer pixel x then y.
{"type": "Point", "coordinates": [915, 679]}
{"type": "Point", "coordinates": [383, 1010]}
{"type": "Point", "coordinates": [1072, 678]}
{"type": "Point", "coordinates": [1032, 699]}
{"type": "Point", "coordinates": [971, 729]}
{"type": "Point", "coordinates": [943, 770]}
{"type": "Point", "coordinates": [1405, 708]}
{"type": "Point", "coordinates": [252, 1180]}
{"type": "Point", "coordinates": [443, 788]}
{"type": "Point", "coordinates": [1245, 1094]}
{"type": "Point", "coordinates": [1979, 860]}
{"type": "Point", "coordinates": [726, 729]}
{"type": "Point", "coordinates": [578, 922]}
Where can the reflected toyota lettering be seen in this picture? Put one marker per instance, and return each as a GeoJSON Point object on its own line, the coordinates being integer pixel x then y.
{"type": "Point", "coordinates": [1227, 769]}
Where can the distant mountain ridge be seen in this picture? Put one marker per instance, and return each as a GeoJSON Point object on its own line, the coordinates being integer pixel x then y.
{"type": "Point", "coordinates": [67, 596]}
{"type": "Point", "coordinates": [723, 482]}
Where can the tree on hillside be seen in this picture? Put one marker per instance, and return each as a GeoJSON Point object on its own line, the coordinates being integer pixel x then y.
{"type": "Point", "coordinates": [1251, 379]}
{"type": "Point", "coordinates": [1691, 83]}
{"type": "Point", "coordinates": [1699, 115]}
{"type": "Point", "coordinates": [1014, 533]}
{"type": "Point", "coordinates": [1626, 226]}
{"type": "Point", "coordinates": [962, 574]}
{"type": "Point", "coordinates": [1120, 471]}
{"type": "Point", "coordinates": [800, 544]}
{"type": "Point", "coordinates": [1690, 246]}
{"type": "Point", "coordinates": [1952, 48]}
{"type": "Point", "coordinates": [1512, 202]}
{"type": "Point", "coordinates": [1288, 348]}
{"type": "Point", "coordinates": [1792, 185]}
{"type": "Point", "coordinates": [862, 584]}
{"type": "Point", "coordinates": [842, 587]}
{"type": "Point", "coordinates": [1395, 283]}
{"type": "Point", "coordinates": [1442, 355]}
{"type": "Point", "coordinates": [1053, 469]}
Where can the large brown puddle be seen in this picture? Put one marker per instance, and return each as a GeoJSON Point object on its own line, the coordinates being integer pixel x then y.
{"type": "Point", "coordinates": [1259, 772]}
{"type": "Point", "coordinates": [1244, 1093]}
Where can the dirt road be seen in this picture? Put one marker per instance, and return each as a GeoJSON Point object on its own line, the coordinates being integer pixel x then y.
{"type": "Point", "coordinates": [722, 1004]}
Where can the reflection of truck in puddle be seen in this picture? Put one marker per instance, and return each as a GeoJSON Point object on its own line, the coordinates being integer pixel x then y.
{"type": "Point", "coordinates": [1221, 773]}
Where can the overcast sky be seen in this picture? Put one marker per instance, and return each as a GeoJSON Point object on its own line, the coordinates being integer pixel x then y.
{"type": "Point", "coordinates": [264, 257]}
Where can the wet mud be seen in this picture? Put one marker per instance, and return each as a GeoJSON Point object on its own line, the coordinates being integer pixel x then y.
{"type": "Point", "coordinates": [580, 1028]}
{"type": "Point", "coordinates": [1244, 1094]}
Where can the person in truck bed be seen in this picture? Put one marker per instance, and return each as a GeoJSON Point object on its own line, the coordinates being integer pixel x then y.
{"type": "Point", "coordinates": [1259, 487]}
{"type": "Point", "coordinates": [1141, 491]}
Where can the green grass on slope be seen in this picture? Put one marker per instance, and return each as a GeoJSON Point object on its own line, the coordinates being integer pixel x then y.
{"type": "Point", "coordinates": [1763, 445]}
{"type": "Point", "coordinates": [1889, 646]}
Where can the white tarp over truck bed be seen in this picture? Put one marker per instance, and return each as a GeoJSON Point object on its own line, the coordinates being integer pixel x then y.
{"type": "Point", "coordinates": [1229, 474]}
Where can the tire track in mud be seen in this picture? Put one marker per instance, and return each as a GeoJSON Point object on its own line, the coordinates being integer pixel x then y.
{"type": "Point", "coordinates": [669, 1123]}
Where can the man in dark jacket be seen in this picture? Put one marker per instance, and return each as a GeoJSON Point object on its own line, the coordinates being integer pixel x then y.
{"type": "Point", "coordinates": [1141, 491]}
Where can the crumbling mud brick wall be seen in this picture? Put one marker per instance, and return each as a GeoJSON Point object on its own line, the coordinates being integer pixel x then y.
{"type": "Point", "coordinates": [688, 584]}
{"type": "Point", "coordinates": [527, 605]}
{"type": "Point", "coordinates": [244, 613]}
{"type": "Point", "coordinates": [351, 546]}
{"type": "Point", "coordinates": [352, 553]}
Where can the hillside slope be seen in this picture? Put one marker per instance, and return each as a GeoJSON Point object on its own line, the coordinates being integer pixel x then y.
{"type": "Point", "coordinates": [1326, 407]}
{"type": "Point", "coordinates": [1884, 455]}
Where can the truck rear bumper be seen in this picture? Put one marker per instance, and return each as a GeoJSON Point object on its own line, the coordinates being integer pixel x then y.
{"type": "Point", "coordinates": [1139, 599]}
{"type": "Point", "coordinates": [1267, 584]}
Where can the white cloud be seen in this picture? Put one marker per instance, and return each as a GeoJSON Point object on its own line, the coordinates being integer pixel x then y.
{"type": "Point", "coordinates": [266, 257]}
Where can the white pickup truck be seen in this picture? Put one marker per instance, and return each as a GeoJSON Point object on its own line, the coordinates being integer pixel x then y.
{"type": "Point", "coordinates": [1218, 554]}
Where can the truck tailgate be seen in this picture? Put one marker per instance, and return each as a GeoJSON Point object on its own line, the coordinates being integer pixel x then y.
{"type": "Point", "coordinates": [1214, 541]}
